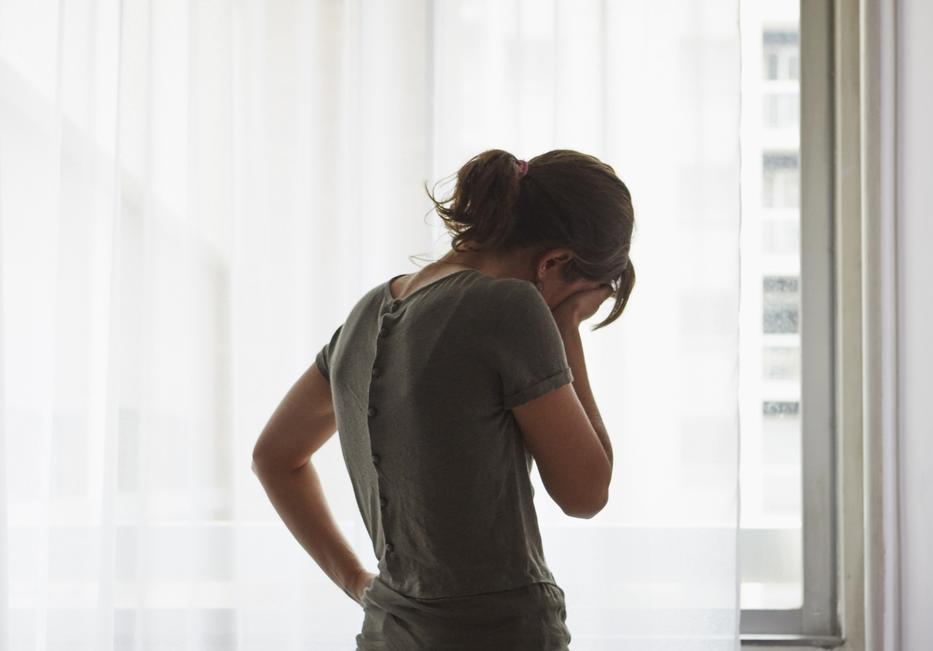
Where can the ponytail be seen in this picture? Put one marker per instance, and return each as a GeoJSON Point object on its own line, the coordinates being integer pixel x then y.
{"type": "Point", "coordinates": [482, 206]}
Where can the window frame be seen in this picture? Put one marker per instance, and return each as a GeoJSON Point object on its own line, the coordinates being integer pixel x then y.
{"type": "Point", "coordinates": [830, 340]}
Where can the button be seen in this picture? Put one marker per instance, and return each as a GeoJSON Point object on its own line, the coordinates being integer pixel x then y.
{"type": "Point", "coordinates": [383, 501]}
{"type": "Point", "coordinates": [371, 411]}
{"type": "Point", "coordinates": [384, 330]}
{"type": "Point", "coordinates": [375, 371]}
{"type": "Point", "coordinates": [388, 547]}
{"type": "Point", "coordinates": [375, 459]}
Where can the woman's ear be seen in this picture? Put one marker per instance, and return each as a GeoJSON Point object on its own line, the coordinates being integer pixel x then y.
{"type": "Point", "coordinates": [553, 257]}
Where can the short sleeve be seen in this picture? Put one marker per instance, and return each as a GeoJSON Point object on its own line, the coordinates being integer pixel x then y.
{"type": "Point", "coordinates": [525, 344]}
{"type": "Point", "coordinates": [322, 359]}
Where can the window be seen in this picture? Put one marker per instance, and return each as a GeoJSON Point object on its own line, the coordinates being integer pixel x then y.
{"type": "Point", "coordinates": [781, 50]}
{"type": "Point", "coordinates": [780, 180]}
{"type": "Point", "coordinates": [781, 109]}
{"type": "Point", "coordinates": [787, 532]}
{"type": "Point", "coordinates": [780, 304]}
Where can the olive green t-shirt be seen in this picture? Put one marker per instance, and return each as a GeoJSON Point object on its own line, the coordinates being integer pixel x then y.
{"type": "Point", "coordinates": [423, 388]}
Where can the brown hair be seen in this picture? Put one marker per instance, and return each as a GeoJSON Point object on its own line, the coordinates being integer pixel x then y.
{"type": "Point", "coordinates": [565, 199]}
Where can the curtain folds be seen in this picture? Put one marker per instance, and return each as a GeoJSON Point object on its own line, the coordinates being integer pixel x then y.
{"type": "Point", "coordinates": [193, 193]}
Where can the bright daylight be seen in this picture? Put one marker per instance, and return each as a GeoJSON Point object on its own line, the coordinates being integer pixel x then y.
{"type": "Point", "coordinates": [474, 325]}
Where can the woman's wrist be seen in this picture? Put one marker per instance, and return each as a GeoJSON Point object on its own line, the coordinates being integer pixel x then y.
{"type": "Point", "coordinates": [361, 580]}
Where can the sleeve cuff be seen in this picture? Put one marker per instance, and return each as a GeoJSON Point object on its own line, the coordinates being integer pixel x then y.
{"type": "Point", "coordinates": [321, 365]}
{"type": "Point", "coordinates": [539, 388]}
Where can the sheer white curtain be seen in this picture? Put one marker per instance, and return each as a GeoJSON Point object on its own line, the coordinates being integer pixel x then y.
{"type": "Point", "coordinates": [192, 195]}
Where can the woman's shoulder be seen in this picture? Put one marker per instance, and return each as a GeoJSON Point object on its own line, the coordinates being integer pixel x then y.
{"type": "Point", "coordinates": [498, 298]}
{"type": "Point", "coordinates": [499, 286]}
{"type": "Point", "coordinates": [517, 292]}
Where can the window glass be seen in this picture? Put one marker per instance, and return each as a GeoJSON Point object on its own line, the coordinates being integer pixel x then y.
{"type": "Point", "coordinates": [770, 365]}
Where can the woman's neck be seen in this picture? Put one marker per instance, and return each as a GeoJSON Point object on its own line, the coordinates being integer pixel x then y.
{"type": "Point", "coordinates": [516, 265]}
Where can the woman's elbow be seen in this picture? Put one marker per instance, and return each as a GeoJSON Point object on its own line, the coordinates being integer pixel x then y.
{"type": "Point", "coordinates": [264, 461]}
{"type": "Point", "coordinates": [589, 509]}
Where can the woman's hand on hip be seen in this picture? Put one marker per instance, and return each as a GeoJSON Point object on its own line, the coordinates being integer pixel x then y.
{"type": "Point", "coordinates": [361, 581]}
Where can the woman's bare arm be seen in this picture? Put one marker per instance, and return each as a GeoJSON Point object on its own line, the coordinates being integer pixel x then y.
{"type": "Point", "coordinates": [300, 425]}
{"type": "Point", "coordinates": [565, 434]}
{"type": "Point", "coordinates": [573, 346]}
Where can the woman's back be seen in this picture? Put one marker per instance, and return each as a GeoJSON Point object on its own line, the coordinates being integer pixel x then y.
{"type": "Point", "coordinates": [423, 388]}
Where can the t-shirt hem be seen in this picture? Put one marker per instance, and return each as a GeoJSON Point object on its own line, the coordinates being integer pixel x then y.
{"type": "Point", "coordinates": [472, 595]}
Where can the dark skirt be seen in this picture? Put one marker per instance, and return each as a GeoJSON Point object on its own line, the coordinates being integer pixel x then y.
{"type": "Point", "coordinates": [531, 617]}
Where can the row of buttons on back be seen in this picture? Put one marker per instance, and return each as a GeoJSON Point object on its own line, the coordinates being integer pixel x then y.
{"type": "Point", "coordinates": [383, 331]}
{"type": "Point", "coordinates": [382, 501]}
{"type": "Point", "coordinates": [372, 411]}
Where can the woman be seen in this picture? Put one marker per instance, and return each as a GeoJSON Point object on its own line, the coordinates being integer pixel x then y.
{"type": "Point", "coordinates": [444, 384]}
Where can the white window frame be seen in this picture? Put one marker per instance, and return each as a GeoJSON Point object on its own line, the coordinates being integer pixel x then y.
{"type": "Point", "coordinates": [831, 340]}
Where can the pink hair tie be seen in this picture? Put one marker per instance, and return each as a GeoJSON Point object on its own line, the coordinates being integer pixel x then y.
{"type": "Point", "coordinates": [522, 168]}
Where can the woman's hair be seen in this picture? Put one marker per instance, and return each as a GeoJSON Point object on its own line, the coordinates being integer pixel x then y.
{"type": "Point", "coordinates": [565, 199]}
